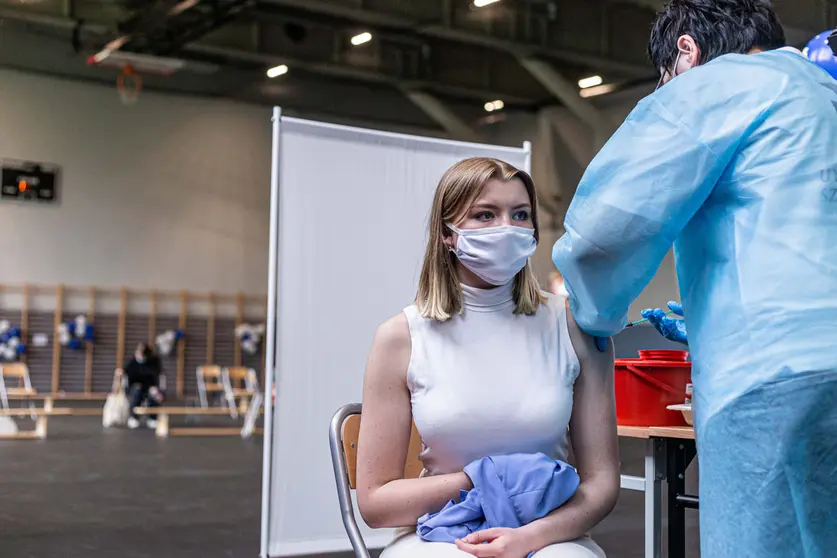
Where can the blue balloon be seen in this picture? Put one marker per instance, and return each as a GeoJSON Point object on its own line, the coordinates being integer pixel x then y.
{"type": "Point", "coordinates": [71, 328]}
{"type": "Point", "coordinates": [74, 344]}
{"type": "Point", "coordinates": [89, 332]}
{"type": "Point", "coordinates": [14, 332]}
{"type": "Point", "coordinates": [4, 338]}
{"type": "Point", "coordinates": [246, 337]}
{"type": "Point", "coordinates": [21, 349]}
{"type": "Point", "coordinates": [820, 53]}
{"type": "Point", "coordinates": [178, 334]}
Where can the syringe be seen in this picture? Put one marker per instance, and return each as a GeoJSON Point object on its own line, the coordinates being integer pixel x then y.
{"type": "Point", "coordinates": [636, 323]}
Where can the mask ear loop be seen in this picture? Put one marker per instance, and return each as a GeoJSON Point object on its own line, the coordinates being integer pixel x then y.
{"type": "Point", "coordinates": [674, 74]}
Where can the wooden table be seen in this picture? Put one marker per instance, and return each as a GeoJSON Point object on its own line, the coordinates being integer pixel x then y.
{"type": "Point", "coordinates": [668, 452]}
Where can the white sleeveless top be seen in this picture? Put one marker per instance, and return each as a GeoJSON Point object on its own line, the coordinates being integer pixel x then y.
{"type": "Point", "coordinates": [489, 382]}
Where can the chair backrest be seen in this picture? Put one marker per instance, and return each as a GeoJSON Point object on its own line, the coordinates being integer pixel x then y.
{"type": "Point", "coordinates": [238, 373]}
{"type": "Point", "coordinates": [343, 439]}
{"type": "Point", "coordinates": [349, 440]}
{"type": "Point", "coordinates": [14, 370]}
{"type": "Point", "coordinates": [243, 377]}
{"type": "Point", "coordinates": [210, 371]}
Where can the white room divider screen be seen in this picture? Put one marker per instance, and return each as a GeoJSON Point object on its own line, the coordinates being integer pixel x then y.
{"type": "Point", "coordinates": [348, 226]}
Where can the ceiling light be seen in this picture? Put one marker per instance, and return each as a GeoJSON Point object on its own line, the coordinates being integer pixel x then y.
{"type": "Point", "coordinates": [364, 37]}
{"type": "Point", "coordinates": [498, 104]}
{"type": "Point", "coordinates": [591, 81]}
{"type": "Point", "coordinates": [491, 106]}
{"type": "Point", "coordinates": [277, 71]}
{"type": "Point", "coordinates": [597, 90]}
{"type": "Point", "coordinates": [481, 3]}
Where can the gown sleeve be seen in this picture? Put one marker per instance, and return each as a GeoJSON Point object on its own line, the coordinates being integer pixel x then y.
{"type": "Point", "coordinates": [632, 203]}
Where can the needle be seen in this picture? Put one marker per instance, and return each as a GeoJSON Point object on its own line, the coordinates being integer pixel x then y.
{"type": "Point", "coordinates": [636, 323]}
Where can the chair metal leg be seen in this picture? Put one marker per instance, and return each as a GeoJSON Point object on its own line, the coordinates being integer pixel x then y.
{"type": "Point", "coordinates": [202, 390]}
{"type": "Point", "coordinates": [341, 477]}
{"type": "Point", "coordinates": [4, 397]}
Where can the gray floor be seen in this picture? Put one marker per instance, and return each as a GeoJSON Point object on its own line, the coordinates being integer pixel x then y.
{"type": "Point", "coordinates": [89, 493]}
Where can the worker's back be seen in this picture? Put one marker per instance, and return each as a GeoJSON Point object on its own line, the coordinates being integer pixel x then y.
{"type": "Point", "coordinates": [758, 261]}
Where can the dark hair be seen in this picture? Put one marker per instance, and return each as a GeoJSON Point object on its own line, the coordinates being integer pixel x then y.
{"type": "Point", "coordinates": [146, 349]}
{"type": "Point", "coordinates": [718, 27]}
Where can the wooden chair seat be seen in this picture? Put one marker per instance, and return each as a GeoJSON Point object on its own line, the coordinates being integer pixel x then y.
{"type": "Point", "coordinates": [21, 391]}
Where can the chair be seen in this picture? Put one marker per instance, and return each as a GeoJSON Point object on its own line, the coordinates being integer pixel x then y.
{"type": "Point", "coordinates": [343, 439]}
{"type": "Point", "coordinates": [211, 379]}
{"type": "Point", "coordinates": [243, 382]}
{"type": "Point", "coordinates": [20, 372]}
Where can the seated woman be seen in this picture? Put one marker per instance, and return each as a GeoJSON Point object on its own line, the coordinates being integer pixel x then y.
{"type": "Point", "coordinates": [485, 364]}
{"type": "Point", "coordinates": [143, 372]}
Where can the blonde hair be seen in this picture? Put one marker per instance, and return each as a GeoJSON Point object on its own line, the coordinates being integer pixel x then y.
{"type": "Point", "coordinates": [439, 294]}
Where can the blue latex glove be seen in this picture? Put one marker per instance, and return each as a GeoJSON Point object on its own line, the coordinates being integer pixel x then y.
{"type": "Point", "coordinates": [670, 328]}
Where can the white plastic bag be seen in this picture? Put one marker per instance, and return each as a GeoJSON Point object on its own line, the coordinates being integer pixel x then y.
{"type": "Point", "coordinates": [117, 407]}
{"type": "Point", "coordinates": [8, 427]}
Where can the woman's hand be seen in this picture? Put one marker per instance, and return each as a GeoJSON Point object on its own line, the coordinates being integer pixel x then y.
{"type": "Point", "coordinates": [496, 543]}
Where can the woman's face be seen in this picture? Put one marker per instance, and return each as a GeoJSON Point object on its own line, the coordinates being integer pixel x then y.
{"type": "Point", "coordinates": [501, 203]}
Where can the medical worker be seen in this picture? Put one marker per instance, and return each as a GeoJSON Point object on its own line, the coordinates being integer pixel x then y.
{"type": "Point", "coordinates": [734, 161]}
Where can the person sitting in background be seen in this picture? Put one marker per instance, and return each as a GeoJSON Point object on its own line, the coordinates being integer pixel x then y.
{"type": "Point", "coordinates": [143, 373]}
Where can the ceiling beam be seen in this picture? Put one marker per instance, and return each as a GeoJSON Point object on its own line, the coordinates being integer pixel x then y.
{"type": "Point", "coordinates": [346, 72]}
{"type": "Point", "coordinates": [375, 18]}
{"type": "Point", "coordinates": [567, 93]}
{"type": "Point", "coordinates": [442, 115]}
{"type": "Point", "coordinates": [102, 32]}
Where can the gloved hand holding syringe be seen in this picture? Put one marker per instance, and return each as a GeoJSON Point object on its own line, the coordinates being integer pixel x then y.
{"type": "Point", "coordinates": [673, 329]}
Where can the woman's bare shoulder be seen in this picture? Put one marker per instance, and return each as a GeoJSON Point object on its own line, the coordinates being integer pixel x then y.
{"type": "Point", "coordinates": [394, 333]}
{"type": "Point", "coordinates": [389, 357]}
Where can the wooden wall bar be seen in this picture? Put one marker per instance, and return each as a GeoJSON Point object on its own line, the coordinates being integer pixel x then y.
{"type": "Point", "coordinates": [117, 313]}
{"type": "Point", "coordinates": [239, 319]}
{"type": "Point", "coordinates": [152, 316]}
{"type": "Point", "coordinates": [56, 347]}
{"type": "Point", "coordinates": [24, 317]}
{"type": "Point", "coordinates": [88, 350]}
{"type": "Point", "coordinates": [181, 344]}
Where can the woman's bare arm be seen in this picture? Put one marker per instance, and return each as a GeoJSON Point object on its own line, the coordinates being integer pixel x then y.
{"type": "Point", "coordinates": [385, 498]}
{"type": "Point", "coordinates": [595, 445]}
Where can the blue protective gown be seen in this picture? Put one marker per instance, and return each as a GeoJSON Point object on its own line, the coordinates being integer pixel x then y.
{"type": "Point", "coordinates": [734, 162]}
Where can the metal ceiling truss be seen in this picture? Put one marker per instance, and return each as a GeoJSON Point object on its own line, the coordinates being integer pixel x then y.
{"type": "Point", "coordinates": [525, 52]}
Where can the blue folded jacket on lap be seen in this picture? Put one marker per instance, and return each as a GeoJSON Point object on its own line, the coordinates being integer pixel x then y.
{"type": "Point", "coordinates": [509, 491]}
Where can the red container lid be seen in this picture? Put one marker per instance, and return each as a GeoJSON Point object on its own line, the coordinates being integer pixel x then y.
{"type": "Point", "coordinates": [668, 356]}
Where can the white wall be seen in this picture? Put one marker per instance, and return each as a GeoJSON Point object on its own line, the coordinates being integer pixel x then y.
{"type": "Point", "coordinates": [172, 193]}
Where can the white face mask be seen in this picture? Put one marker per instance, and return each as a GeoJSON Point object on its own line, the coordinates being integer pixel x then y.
{"type": "Point", "coordinates": [494, 254]}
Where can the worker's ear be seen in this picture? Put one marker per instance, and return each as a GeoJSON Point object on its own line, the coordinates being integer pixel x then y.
{"type": "Point", "coordinates": [689, 54]}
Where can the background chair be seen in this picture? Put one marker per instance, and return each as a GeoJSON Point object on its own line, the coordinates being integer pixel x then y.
{"type": "Point", "coordinates": [212, 380]}
{"type": "Point", "coordinates": [241, 383]}
{"type": "Point", "coordinates": [19, 372]}
{"type": "Point", "coordinates": [343, 439]}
